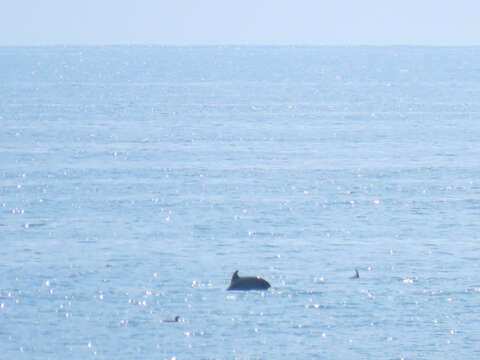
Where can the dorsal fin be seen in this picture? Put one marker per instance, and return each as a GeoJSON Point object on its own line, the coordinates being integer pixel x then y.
{"type": "Point", "coordinates": [235, 275]}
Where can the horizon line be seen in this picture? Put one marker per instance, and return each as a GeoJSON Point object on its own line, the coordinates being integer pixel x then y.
{"type": "Point", "coordinates": [235, 45]}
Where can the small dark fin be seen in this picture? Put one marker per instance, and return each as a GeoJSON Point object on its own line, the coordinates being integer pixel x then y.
{"type": "Point", "coordinates": [235, 275]}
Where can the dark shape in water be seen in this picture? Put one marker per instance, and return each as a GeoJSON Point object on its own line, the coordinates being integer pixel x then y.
{"type": "Point", "coordinates": [356, 276]}
{"type": "Point", "coordinates": [171, 321]}
{"type": "Point", "coordinates": [247, 283]}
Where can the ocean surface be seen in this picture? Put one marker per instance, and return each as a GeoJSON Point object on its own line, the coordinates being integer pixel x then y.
{"type": "Point", "coordinates": [135, 180]}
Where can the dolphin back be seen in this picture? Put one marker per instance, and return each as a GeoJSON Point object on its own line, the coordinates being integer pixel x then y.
{"type": "Point", "coordinates": [248, 283]}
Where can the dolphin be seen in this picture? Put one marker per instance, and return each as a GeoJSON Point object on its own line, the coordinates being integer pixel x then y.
{"type": "Point", "coordinates": [247, 283]}
{"type": "Point", "coordinates": [171, 321]}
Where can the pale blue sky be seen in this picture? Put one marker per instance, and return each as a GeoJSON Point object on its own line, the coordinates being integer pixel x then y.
{"type": "Point", "coordinates": [255, 22]}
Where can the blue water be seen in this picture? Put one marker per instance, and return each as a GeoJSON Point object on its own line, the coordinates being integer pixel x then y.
{"type": "Point", "coordinates": [135, 180]}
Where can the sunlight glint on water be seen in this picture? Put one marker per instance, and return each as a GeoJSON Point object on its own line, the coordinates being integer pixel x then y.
{"type": "Point", "coordinates": [135, 180]}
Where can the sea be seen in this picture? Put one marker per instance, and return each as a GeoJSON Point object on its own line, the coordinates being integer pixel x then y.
{"type": "Point", "coordinates": [134, 180]}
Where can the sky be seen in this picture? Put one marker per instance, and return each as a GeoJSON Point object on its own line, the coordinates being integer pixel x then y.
{"type": "Point", "coordinates": [241, 22]}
